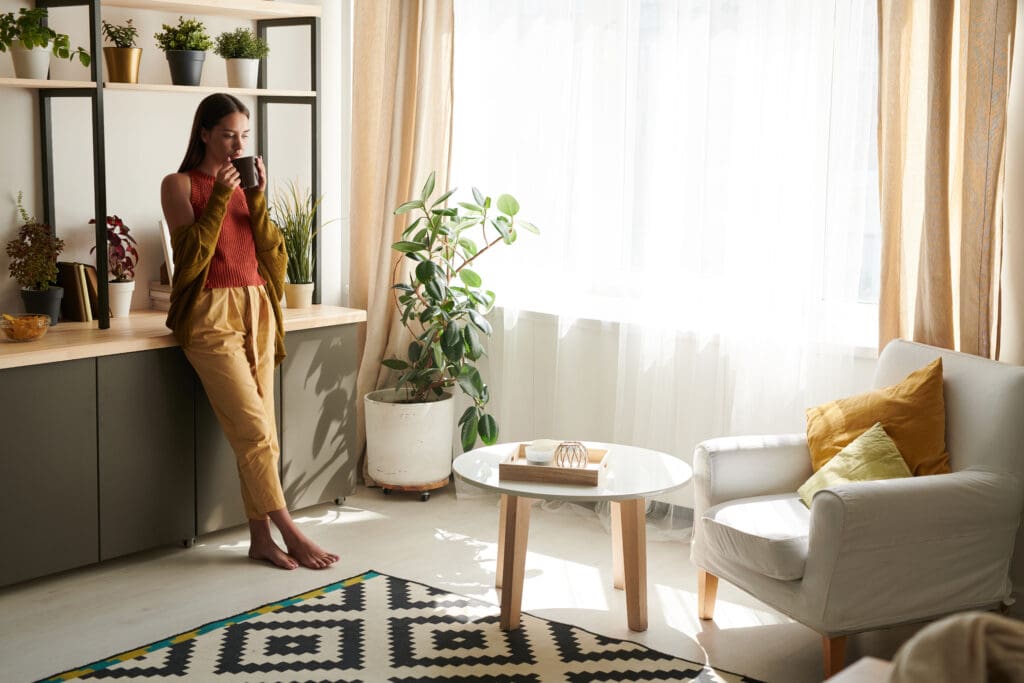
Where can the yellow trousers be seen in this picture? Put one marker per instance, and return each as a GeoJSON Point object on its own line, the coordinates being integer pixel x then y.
{"type": "Point", "coordinates": [232, 351]}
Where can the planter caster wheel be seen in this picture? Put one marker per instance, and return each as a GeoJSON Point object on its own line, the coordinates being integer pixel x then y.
{"type": "Point", "coordinates": [340, 500]}
{"type": "Point", "coordinates": [424, 496]}
{"type": "Point", "coordinates": [386, 492]}
{"type": "Point", "coordinates": [188, 542]}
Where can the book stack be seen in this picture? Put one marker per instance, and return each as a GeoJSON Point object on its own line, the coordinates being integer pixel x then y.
{"type": "Point", "coordinates": [81, 287]}
{"type": "Point", "coordinates": [159, 296]}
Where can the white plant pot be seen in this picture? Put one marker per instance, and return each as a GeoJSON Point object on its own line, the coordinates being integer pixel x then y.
{"type": "Point", "coordinates": [34, 63]}
{"type": "Point", "coordinates": [243, 73]}
{"type": "Point", "coordinates": [120, 297]}
{"type": "Point", "coordinates": [298, 295]}
{"type": "Point", "coordinates": [408, 444]}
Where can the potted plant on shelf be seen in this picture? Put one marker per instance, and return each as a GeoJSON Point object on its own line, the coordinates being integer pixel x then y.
{"type": "Point", "coordinates": [409, 428]}
{"type": "Point", "coordinates": [294, 212]}
{"type": "Point", "coordinates": [185, 46]}
{"type": "Point", "coordinates": [32, 42]}
{"type": "Point", "coordinates": [33, 255]}
{"type": "Point", "coordinates": [242, 50]}
{"type": "Point", "coordinates": [122, 57]}
{"type": "Point", "coordinates": [121, 259]}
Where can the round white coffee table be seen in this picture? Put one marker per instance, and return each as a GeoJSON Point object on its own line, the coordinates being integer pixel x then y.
{"type": "Point", "coordinates": [632, 475]}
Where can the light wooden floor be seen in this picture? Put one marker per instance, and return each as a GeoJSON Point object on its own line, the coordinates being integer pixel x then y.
{"type": "Point", "coordinates": [59, 622]}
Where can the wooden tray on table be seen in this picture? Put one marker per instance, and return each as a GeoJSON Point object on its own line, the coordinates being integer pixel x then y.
{"type": "Point", "coordinates": [517, 468]}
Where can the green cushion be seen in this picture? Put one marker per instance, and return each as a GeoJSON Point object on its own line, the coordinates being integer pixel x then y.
{"type": "Point", "coordinates": [872, 455]}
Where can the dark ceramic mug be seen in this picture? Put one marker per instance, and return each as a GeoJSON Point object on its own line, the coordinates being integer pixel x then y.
{"type": "Point", "coordinates": [247, 170]}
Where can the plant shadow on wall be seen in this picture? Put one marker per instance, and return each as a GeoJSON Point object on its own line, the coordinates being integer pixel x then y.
{"type": "Point", "coordinates": [333, 438]}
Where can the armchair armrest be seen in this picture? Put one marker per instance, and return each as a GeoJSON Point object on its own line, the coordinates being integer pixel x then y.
{"type": "Point", "coordinates": [898, 550]}
{"type": "Point", "coordinates": [743, 466]}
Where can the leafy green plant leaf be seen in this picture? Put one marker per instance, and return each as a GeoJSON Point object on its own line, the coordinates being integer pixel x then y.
{"type": "Point", "coordinates": [469, 431]}
{"type": "Point", "coordinates": [409, 206]}
{"type": "Point", "coordinates": [428, 187]}
{"type": "Point", "coordinates": [395, 364]}
{"type": "Point", "coordinates": [488, 430]}
{"type": "Point", "coordinates": [470, 277]}
{"type": "Point", "coordinates": [407, 246]}
{"type": "Point", "coordinates": [508, 204]}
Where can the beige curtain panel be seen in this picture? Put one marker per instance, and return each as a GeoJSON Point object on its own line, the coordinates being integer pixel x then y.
{"type": "Point", "coordinates": [401, 131]}
{"type": "Point", "coordinates": [943, 79]}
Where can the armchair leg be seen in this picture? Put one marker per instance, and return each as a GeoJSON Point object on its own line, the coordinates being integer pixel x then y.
{"type": "Point", "coordinates": [834, 650]}
{"type": "Point", "coordinates": [707, 591]}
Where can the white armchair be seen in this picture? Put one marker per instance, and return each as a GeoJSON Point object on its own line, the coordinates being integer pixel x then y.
{"type": "Point", "coordinates": [873, 554]}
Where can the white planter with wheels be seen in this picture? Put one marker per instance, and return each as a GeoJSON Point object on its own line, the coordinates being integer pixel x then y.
{"type": "Point", "coordinates": [243, 73]}
{"type": "Point", "coordinates": [409, 445]}
{"type": "Point", "coordinates": [120, 297]}
{"type": "Point", "coordinates": [34, 63]}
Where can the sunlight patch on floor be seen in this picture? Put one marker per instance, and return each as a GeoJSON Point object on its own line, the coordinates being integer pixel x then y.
{"type": "Point", "coordinates": [345, 515]}
{"type": "Point", "coordinates": [566, 584]}
{"type": "Point", "coordinates": [680, 609]}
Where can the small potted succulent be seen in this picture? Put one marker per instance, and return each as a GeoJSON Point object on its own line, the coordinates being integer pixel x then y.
{"type": "Point", "coordinates": [33, 255]}
{"type": "Point", "coordinates": [121, 259]}
{"type": "Point", "coordinates": [185, 46]}
{"type": "Point", "coordinates": [32, 42]}
{"type": "Point", "coordinates": [294, 212]}
{"type": "Point", "coordinates": [242, 51]}
{"type": "Point", "coordinates": [122, 57]}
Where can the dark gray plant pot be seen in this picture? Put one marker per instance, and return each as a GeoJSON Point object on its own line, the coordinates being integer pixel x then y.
{"type": "Point", "coordinates": [186, 66]}
{"type": "Point", "coordinates": [47, 302]}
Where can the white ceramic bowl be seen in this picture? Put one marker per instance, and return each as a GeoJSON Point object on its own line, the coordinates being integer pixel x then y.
{"type": "Point", "coordinates": [541, 451]}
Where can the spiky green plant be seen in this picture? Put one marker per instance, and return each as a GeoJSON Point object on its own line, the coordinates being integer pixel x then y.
{"type": "Point", "coordinates": [294, 212]}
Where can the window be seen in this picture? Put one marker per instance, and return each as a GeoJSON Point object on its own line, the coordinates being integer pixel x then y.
{"type": "Point", "coordinates": [711, 165]}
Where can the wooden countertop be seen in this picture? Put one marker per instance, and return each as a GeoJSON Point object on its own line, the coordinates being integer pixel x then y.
{"type": "Point", "coordinates": [141, 331]}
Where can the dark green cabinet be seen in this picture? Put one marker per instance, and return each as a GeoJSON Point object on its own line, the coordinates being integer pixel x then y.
{"type": "Point", "coordinates": [318, 386]}
{"type": "Point", "coordinates": [48, 492]}
{"type": "Point", "coordinates": [102, 457]}
{"type": "Point", "coordinates": [146, 464]}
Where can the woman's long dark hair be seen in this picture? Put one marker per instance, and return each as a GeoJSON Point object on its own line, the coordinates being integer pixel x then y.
{"type": "Point", "coordinates": [209, 113]}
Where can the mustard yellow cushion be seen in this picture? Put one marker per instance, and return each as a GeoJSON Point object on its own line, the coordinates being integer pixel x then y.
{"type": "Point", "coordinates": [912, 413]}
{"type": "Point", "coordinates": [870, 456]}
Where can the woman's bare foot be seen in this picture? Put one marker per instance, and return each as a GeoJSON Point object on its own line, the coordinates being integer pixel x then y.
{"type": "Point", "coordinates": [309, 554]}
{"type": "Point", "coordinates": [300, 547]}
{"type": "Point", "coordinates": [263, 548]}
{"type": "Point", "coordinates": [270, 552]}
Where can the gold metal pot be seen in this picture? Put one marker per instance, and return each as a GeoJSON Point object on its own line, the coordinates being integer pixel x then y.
{"type": "Point", "coordinates": [123, 64]}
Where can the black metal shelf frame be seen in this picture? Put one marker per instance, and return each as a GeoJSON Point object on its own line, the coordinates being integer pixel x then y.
{"type": "Point", "coordinates": [44, 98]}
{"type": "Point", "coordinates": [262, 102]}
{"type": "Point", "coordinates": [95, 95]}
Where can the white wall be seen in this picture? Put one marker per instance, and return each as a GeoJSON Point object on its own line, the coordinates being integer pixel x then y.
{"type": "Point", "coordinates": [146, 134]}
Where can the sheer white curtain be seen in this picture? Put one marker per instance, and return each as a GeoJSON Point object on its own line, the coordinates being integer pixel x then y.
{"type": "Point", "coordinates": [704, 177]}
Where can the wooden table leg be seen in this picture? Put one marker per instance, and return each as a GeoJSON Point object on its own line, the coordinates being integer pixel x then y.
{"type": "Point", "coordinates": [513, 560]}
{"type": "Point", "coordinates": [634, 561]}
{"type": "Point", "coordinates": [616, 514]}
{"type": "Point", "coordinates": [502, 515]}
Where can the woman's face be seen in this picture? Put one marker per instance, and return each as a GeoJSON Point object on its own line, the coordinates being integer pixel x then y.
{"type": "Point", "coordinates": [228, 138]}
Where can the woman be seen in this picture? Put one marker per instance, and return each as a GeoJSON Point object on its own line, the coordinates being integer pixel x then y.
{"type": "Point", "coordinates": [229, 265]}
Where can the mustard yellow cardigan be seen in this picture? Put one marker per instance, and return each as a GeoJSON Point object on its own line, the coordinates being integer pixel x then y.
{"type": "Point", "coordinates": [193, 247]}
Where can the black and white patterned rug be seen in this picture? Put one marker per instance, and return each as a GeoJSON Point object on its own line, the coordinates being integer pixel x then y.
{"type": "Point", "coordinates": [375, 627]}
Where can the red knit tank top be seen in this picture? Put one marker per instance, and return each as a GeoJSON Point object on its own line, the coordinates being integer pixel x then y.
{"type": "Point", "coordinates": [234, 260]}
